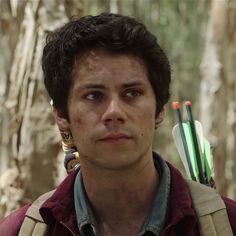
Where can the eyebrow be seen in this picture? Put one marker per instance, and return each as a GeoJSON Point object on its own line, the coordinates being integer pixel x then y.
{"type": "Point", "coordinates": [91, 85]}
{"type": "Point", "coordinates": [101, 86]}
{"type": "Point", "coordinates": [133, 84]}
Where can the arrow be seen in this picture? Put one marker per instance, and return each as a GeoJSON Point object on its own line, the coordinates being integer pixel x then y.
{"type": "Point", "coordinates": [182, 143]}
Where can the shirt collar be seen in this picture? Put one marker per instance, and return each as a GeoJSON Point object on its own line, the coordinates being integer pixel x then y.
{"type": "Point", "coordinates": [84, 213]}
{"type": "Point", "coordinates": [154, 222]}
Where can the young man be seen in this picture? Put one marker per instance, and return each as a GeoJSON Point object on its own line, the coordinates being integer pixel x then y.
{"type": "Point", "coordinates": [109, 81]}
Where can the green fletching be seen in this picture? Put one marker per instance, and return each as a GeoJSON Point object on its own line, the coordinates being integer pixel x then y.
{"type": "Point", "coordinates": [192, 154]}
{"type": "Point", "coordinates": [208, 159]}
{"type": "Point", "coordinates": [206, 153]}
{"type": "Point", "coordinates": [193, 148]}
{"type": "Point", "coordinates": [205, 150]}
{"type": "Point", "coordinates": [180, 147]}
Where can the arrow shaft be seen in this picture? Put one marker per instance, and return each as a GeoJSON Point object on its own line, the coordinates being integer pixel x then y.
{"type": "Point", "coordinates": [195, 144]}
{"type": "Point", "coordinates": [181, 129]}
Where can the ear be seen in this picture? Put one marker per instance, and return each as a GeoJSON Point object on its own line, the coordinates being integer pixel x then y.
{"type": "Point", "coordinates": [62, 122]}
{"type": "Point", "coordinates": [161, 115]}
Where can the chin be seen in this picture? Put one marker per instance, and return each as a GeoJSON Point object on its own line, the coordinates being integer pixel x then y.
{"type": "Point", "coordinates": [120, 162]}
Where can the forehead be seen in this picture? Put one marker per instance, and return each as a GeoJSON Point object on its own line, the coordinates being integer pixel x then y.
{"type": "Point", "coordinates": [102, 64]}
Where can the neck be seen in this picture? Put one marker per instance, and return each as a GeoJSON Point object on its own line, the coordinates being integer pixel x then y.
{"type": "Point", "coordinates": [118, 197]}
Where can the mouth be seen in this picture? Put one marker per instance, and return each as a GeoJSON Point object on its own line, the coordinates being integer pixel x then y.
{"type": "Point", "coordinates": [115, 137]}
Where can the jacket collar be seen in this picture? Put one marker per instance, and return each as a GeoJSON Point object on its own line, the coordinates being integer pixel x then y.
{"type": "Point", "coordinates": [181, 207]}
{"type": "Point", "coordinates": [60, 206]}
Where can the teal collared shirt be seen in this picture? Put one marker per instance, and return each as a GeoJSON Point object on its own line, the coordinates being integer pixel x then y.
{"type": "Point", "coordinates": [154, 222]}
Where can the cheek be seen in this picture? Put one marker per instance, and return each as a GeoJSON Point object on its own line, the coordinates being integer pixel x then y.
{"type": "Point", "coordinates": [146, 128]}
{"type": "Point", "coordinates": [76, 124]}
{"type": "Point", "coordinates": [148, 116]}
{"type": "Point", "coordinates": [81, 123]}
{"type": "Point", "coordinates": [75, 121]}
{"type": "Point", "coordinates": [77, 114]}
{"type": "Point", "coordinates": [79, 131]}
{"type": "Point", "coordinates": [147, 121]}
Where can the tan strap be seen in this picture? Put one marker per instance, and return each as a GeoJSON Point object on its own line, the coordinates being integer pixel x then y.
{"type": "Point", "coordinates": [215, 224]}
{"type": "Point", "coordinates": [211, 210]}
{"type": "Point", "coordinates": [31, 227]}
{"type": "Point", "coordinates": [33, 224]}
{"type": "Point", "coordinates": [206, 199]}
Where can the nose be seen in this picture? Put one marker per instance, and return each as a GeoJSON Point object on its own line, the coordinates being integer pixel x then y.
{"type": "Point", "coordinates": [114, 112]}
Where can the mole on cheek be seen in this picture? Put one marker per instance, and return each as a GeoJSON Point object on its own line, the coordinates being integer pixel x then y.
{"type": "Point", "coordinates": [78, 120]}
{"type": "Point", "coordinates": [141, 134]}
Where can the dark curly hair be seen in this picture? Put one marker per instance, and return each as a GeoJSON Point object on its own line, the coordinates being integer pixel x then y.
{"type": "Point", "coordinates": [112, 32]}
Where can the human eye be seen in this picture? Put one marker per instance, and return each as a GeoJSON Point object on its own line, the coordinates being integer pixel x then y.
{"type": "Point", "coordinates": [94, 96]}
{"type": "Point", "coordinates": [132, 93]}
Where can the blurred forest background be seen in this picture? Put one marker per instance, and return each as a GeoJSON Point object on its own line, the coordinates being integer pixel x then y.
{"type": "Point", "coordinates": [199, 37]}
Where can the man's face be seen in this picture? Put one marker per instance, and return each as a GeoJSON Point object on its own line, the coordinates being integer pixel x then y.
{"type": "Point", "coordinates": [111, 107]}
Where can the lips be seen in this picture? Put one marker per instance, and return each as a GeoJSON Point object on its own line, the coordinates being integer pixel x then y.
{"type": "Point", "coordinates": [115, 137]}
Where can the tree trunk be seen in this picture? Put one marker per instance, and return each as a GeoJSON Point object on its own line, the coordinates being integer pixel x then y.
{"type": "Point", "coordinates": [216, 88]}
{"type": "Point", "coordinates": [229, 58]}
{"type": "Point", "coordinates": [29, 133]}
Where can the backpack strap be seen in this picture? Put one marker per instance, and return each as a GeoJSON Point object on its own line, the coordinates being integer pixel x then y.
{"type": "Point", "coordinates": [211, 210]}
{"type": "Point", "coordinates": [33, 224]}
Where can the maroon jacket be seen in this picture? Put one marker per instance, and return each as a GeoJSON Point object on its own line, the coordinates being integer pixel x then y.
{"type": "Point", "coordinates": [58, 211]}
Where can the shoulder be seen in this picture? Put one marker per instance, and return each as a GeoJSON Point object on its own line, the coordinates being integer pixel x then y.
{"type": "Point", "coordinates": [231, 210]}
{"type": "Point", "coordinates": [207, 200]}
{"type": "Point", "coordinates": [10, 225]}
